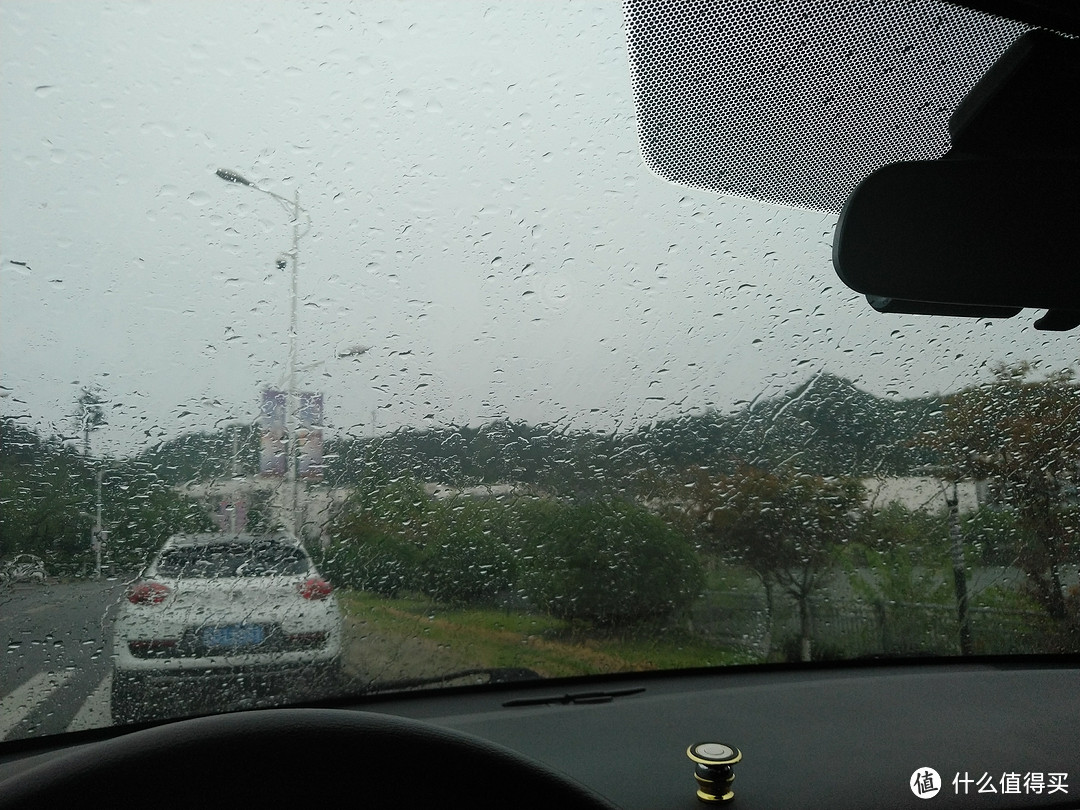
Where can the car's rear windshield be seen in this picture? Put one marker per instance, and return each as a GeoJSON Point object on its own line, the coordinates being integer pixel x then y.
{"type": "Point", "coordinates": [219, 560]}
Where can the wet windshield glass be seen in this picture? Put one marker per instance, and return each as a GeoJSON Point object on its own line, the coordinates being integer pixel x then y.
{"type": "Point", "coordinates": [395, 280]}
{"type": "Point", "coordinates": [215, 561]}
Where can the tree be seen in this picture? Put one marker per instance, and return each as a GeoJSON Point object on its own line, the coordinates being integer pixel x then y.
{"type": "Point", "coordinates": [44, 488]}
{"type": "Point", "coordinates": [467, 556]}
{"type": "Point", "coordinates": [378, 535]}
{"type": "Point", "coordinates": [893, 567]}
{"type": "Point", "coordinates": [610, 562]}
{"type": "Point", "coordinates": [143, 511]}
{"type": "Point", "coordinates": [1022, 435]}
{"type": "Point", "coordinates": [786, 526]}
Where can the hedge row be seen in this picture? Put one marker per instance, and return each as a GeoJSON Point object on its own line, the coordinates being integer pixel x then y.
{"type": "Point", "coordinates": [608, 562]}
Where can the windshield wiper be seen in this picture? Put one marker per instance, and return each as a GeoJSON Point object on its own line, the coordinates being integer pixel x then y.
{"type": "Point", "coordinates": [494, 675]}
{"type": "Point", "coordinates": [574, 698]}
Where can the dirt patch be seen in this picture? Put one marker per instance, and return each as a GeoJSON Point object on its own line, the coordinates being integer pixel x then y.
{"type": "Point", "coordinates": [375, 657]}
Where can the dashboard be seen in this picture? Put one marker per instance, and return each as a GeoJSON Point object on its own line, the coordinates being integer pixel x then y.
{"type": "Point", "coordinates": [998, 733]}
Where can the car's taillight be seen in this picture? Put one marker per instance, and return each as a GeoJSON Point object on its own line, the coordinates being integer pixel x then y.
{"type": "Point", "coordinates": [148, 593]}
{"type": "Point", "coordinates": [315, 588]}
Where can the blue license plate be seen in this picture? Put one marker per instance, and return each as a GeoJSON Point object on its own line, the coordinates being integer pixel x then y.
{"type": "Point", "coordinates": [233, 635]}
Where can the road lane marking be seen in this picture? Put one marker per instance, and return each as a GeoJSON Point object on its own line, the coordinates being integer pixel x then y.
{"type": "Point", "coordinates": [95, 712]}
{"type": "Point", "coordinates": [17, 705]}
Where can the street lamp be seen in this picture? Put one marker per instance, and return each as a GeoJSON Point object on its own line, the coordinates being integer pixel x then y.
{"type": "Point", "coordinates": [232, 177]}
{"type": "Point", "coordinates": [295, 210]}
{"type": "Point", "coordinates": [343, 352]}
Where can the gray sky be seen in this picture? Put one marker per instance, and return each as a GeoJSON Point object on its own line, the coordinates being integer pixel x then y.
{"type": "Point", "coordinates": [480, 217]}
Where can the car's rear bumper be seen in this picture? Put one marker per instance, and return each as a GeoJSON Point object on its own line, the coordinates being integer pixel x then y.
{"type": "Point", "coordinates": [173, 693]}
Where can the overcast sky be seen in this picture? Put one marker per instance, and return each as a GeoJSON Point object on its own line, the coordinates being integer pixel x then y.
{"type": "Point", "coordinates": [481, 219]}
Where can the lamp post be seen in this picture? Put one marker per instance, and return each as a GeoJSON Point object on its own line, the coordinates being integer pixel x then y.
{"type": "Point", "coordinates": [343, 352]}
{"type": "Point", "coordinates": [293, 207]}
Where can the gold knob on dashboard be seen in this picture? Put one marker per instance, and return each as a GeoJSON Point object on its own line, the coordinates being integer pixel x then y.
{"type": "Point", "coordinates": [713, 770]}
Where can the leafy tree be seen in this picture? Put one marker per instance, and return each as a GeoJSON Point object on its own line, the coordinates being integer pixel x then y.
{"type": "Point", "coordinates": [47, 497]}
{"type": "Point", "coordinates": [787, 527]}
{"type": "Point", "coordinates": [204, 456]}
{"type": "Point", "coordinates": [467, 556]}
{"type": "Point", "coordinates": [609, 562]}
{"type": "Point", "coordinates": [260, 513]}
{"type": "Point", "coordinates": [141, 512]}
{"type": "Point", "coordinates": [828, 424]}
{"type": "Point", "coordinates": [390, 537]}
{"type": "Point", "coordinates": [1022, 434]}
{"type": "Point", "coordinates": [45, 488]}
{"type": "Point", "coordinates": [902, 549]}
{"type": "Point", "coordinates": [895, 566]}
{"type": "Point", "coordinates": [381, 562]}
{"type": "Point", "coordinates": [994, 534]}
{"type": "Point", "coordinates": [378, 535]}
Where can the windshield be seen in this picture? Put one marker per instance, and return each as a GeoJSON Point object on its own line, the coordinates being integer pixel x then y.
{"type": "Point", "coordinates": [395, 280]}
{"type": "Point", "coordinates": [216, 560]}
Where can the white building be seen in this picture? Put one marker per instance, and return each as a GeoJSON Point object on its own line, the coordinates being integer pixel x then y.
{"type": "Point", "coordinates": [925, 493]}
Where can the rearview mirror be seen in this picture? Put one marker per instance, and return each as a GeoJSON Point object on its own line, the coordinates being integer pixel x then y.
{"type": "Point", "coordinates": [975, 232]}
{"type": "Point", "coordinates": [989, 228]}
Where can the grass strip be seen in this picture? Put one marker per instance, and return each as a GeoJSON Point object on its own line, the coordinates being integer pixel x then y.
{"type": "Point", "coordinates": [491, 637]}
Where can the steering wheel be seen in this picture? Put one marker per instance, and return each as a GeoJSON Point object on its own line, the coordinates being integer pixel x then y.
{"type": "Point", "coordinates": [295, 758]}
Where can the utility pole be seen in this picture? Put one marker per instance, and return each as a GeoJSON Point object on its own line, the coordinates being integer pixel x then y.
{"type": "Point", "coordinates": [956, 536]}
{"type": "Point", "coordinates": [292, 485]}
{"type": "Point", "coordinates": [99, 533]}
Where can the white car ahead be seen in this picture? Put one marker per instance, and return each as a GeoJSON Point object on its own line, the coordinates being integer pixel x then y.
{"type": "Point", "coordinates": [213, 611]}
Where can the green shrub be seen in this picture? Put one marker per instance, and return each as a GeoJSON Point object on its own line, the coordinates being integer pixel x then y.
{"type": "Point", "coordinates": [466, 557]}
{"type": "Point", "coordinates": [377, 545]}
{"type": "Point", "coordinates": [377, 562]}
{"type": "Point", "coordinates": [611, 563]}
{"type": "Point", "coordinates": [791, 651]}
{"type": "Point", "coordinates": [996, 535]}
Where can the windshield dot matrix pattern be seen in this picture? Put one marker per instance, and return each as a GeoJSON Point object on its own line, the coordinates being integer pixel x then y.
{"type": "Point", "coordinates": [795, 102]}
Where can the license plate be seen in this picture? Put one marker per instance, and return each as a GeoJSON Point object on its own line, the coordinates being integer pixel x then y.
{"type": "Point", "coordinates": [233, 635]}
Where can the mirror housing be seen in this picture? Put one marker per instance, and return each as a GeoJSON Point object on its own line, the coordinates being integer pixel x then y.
{"type": "Point", "coordinates": [989, 228]}
{"type": "Point", "coordinates": [972, 232]}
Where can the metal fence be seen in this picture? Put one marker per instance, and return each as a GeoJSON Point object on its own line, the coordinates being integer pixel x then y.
{"type": "Point", "coordinates": [852, 628]}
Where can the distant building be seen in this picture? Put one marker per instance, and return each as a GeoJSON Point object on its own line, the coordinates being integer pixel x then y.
{"type": "Point", "coordinates": [926, 493]}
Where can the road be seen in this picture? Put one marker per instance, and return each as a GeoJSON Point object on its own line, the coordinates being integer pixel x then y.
{"type": "Point", "coordinates": [54, 673]}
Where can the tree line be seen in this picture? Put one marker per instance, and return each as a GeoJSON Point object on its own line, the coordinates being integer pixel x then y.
{"type": "Point", "coordinates": [48, 505]}
{"type": "Point", "coordinates": [791, 526]}
{"type": "Point", "coordinates": [776, 491]}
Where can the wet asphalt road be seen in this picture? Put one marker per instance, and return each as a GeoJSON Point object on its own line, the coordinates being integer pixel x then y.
{"type": "Point", "coordinates": [56, 643]}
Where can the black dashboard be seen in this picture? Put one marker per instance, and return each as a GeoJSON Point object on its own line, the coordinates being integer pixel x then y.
{"type": "Point", "coordinates": [841, 737]}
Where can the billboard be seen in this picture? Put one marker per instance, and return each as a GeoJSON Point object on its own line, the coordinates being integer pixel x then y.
{"type": "Point", "coordinates": [309, 435]}
{"type": "Point", "coordinates": [272, 450]}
